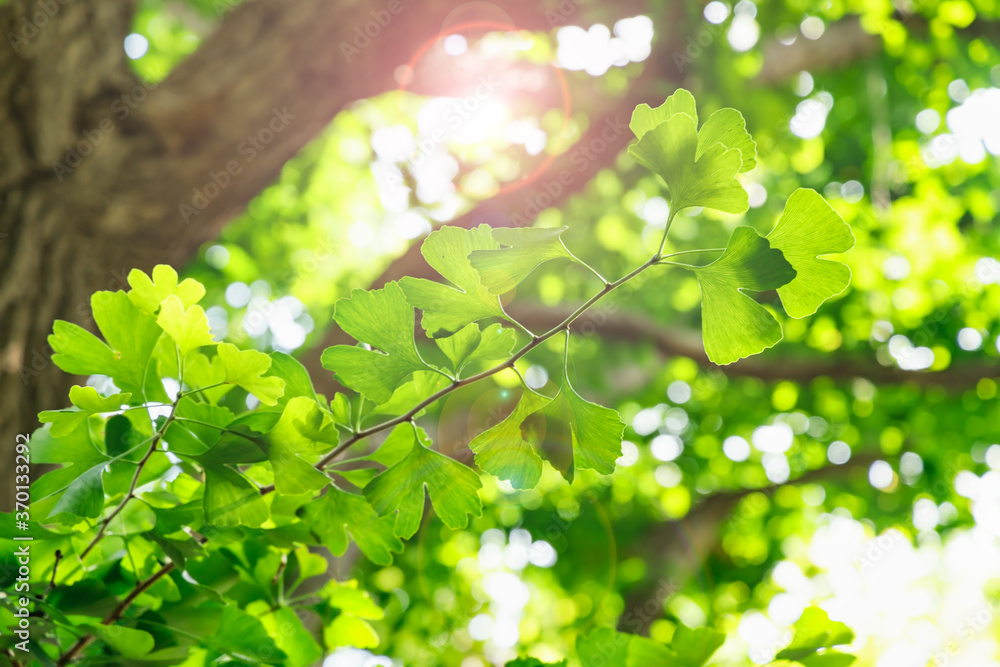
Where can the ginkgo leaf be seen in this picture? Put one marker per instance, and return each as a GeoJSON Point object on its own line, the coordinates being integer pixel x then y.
{"type": "Point", "coordinates": [349, 630]}
{"type": "Point", "coordinates": [733, 324]}
{"type": "Point", "coordinates": [504, 452]}
{"type": "Point", "coordinates": [727, 127]}
{"type": "Point", "coordinates": [89, 401]}
{"type": "Point", "coordinates": [692, 647]}
{"type": "Point", "coordinates": [645, 118]}
{"type": "Point", "coordinates": [77, 488]}
{"type": "Point", "coordinates": [147, 294]}
{"type": "Point", "coordinates": [470, 344]}
{"type": "Point", "coordinates": [526, 249]}
{"type": "Point", "coordinates": [338, 513]}
{"type": "Point", "coordinates": [453, 489]}
{"type": "Point", "coordinates": [813, 631]}
{"type": "Point", "coordinates": [292, 453]}
{"type": "Point", "coordinates": [79, 352]}
{"type": "Point", "coordinates": [231, 499]}
{"type": "Point", "coordinates": [603, 647]}
{"type": "Point", "coordinates": [807, 228]}
{"type": "Point", "coordinates": [246, 368]}
{"type": "Point", "coordinates": [445, 308]}
{"type": "Point", "coordinates": [129, 642]}
{"type": "Point", "coordinates": [383, 319]}
{"type": "Point", "coordinates": [188, 327]}
{"type": "Point", "coordinates": [131, 334]}
{"type": "Point", "coordinates": [593, 433]}
{"type": "Point", "coordinates": [671, 150]}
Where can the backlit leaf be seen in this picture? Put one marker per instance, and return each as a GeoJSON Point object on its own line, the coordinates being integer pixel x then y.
{"type": "Point", "coordinates": [733, 324]}
{"type": "Point", "coordinates": [526, 248]}
{"type": "Point", "coordinates": [231, 500]}
{"type": "Point", "coordinates": [645, 118]}
{"type": "Point", "coordinates": [807, 228]}
{"type": "Point", "coordinates": [383, 319]}
{"type": "Point", "coordinates": [445, 308]}
{"type": "Point", "coordinates": [338, 513]}
{"type": "Point", "coordinates": [453, 489]}
{"type": "Point", "coordinates": [188, 327]}
{"type": "Point", "coordinates": [246, 368]}
{"type": "Point", "coordinates": [147, 294]}
{"type": "Point", "coordinates": [504, 451]}
{"type": "Point", "coordinates": [89, 401]}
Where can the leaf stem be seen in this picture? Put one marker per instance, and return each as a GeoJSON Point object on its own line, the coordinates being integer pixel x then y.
{"type": "Point", "coordinates": [135, 478]}
{"type": "Point", "coordinates": [116, 613]}
{"type": "Point", "coordinates": [528, 347]}
{"type": "Point", "coordinates": [666, 230]}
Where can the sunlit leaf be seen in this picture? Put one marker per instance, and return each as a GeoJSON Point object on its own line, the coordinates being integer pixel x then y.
{"type": "Point", "coordinates": [727, 127]}
{"type": "Point", "coordinates": [670, 150]}
{"type": "Point", "coordinates": [807, 228]}
{"type": "Point", "coordinates": [525, 249]}
{"type": "Point", "coordinates": [89, 401]}
{"type": "Point", "coordinates": [147, 294]}
{"type": "Point", "coordinates": [188, 327]}
{"type": "Point", "coordinates": [603, 647]}
{"type": "Point", "coordinates": [813, 631]}
{"type": "Point", "coordinates": [338, 513]}
{"type": "Point", "coordinates": [470, 345]}
{"type": "Point", "coordinates": [231, 500]}
{"type": "Point", "coordinates": [453, 489]}
{"type": "Point", "coordinates": [733, 324]}
{"type": "Point", "coordinates": [383, 319]}
{"type": "Point", "coordinates": [645, 118]}
{"type": "Point", "coordinates": [504, 451]}
{"type": "Point", "coordinates": [445, 308]}
{"type": "Point", "coordinates": [246, 368]}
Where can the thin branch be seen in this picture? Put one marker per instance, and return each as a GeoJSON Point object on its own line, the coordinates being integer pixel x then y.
{"type": "Point", "coordinates": [116, 613]}
{"type": "Point", "coordinates": [528, 347]}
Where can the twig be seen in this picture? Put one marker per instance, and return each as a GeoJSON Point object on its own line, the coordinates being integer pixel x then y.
{"type": "Point", "coordinates": [116, 614]}
{"type": "Point", "coordinates": [528, 347]}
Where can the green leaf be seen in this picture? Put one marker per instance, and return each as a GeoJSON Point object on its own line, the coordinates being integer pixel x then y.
{"type": "Point", "coordinates": [295, 376]}
{"type": "Point", "coordinates": [693, 647]}
{"type": "Point", "coordinates": [807, 228]}
{"type": "Point", "coordinates": [671, 150]}
{"type": "Point", "coordinates": [447, 309]}
{"type": "Point", "coordinates": [603, 647]}
{"type": "Point", "coordinates": [383, 319]}
{"type": "Point", "coordinates": [643, 651]}
{"type": "Point", "coordinates": [241, 633]}
{"type": "Point", "coordinates": [733, 324]}
{"type": "Point", "coordinates": [187, 327]}
{"type": "Point", "coordinates": [131, 334]}
{"type": "Point", "coordinates": [593, 432]}
{"type": "Point", "coordinates": [645, 118]}
{"type": "Point", "coordinates": [245, 368]}
{"type": "Point", "coordinates": [526, 249]}
{"type": "Point", "coordinates": [147, 294]}
{"type": "Point", "coordinates": [79, 352]}
{"type": "Point", "coordinates": [340, 408]}
{"type": "Point", "coordinates": [231, 499]}
{"type": "Point", "coordinates": [338, 512]}
{"type": "Point", "coordinates": [292, 452]}
{"type": "Point", "coordinates": [129, 642]}
{"type": "Point", "coordinates": [814, 630]}
{"type": "Point", "coordinates": [504, 450]}
{"type": "Point", "coordinates": [453, 489]}
{"type": "Point", "coordinates": [90, 403]}
{"type": "Point", "coordinates": [347, 597]}
{"type": "Point", "coordinates": [828, 659]}
{"type": "Point", "coordinates": [470, 344]}
{"type": "Point", "coordinates": [534, 662]}
{"type": "Point", "coordinates": [348, 630]}
{"type": "Point", "coordinates": [727, 127]}
{"type": "Point", "coordinates": [76, 488]}
{"type": "Point", "coordinates": [292, 637]}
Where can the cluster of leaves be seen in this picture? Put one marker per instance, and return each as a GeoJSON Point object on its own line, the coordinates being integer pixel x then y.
{"type": "Point", "coordinates": [175, 494]}
{"type": "Point", "coordinates": [813, 637]}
